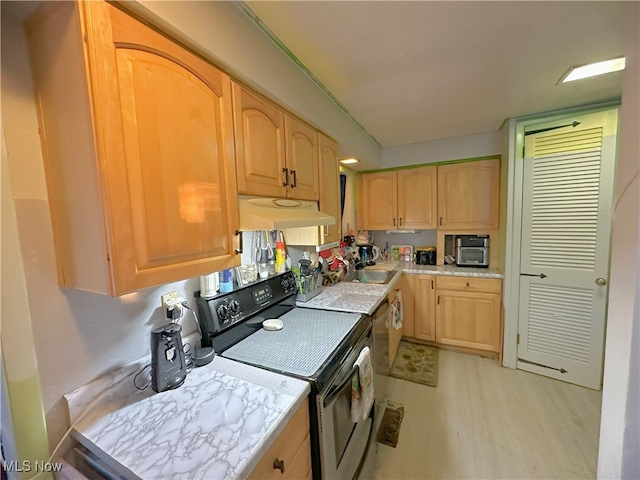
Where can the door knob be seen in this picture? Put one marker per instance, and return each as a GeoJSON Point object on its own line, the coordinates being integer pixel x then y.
{"type": "Point", "coordinates": [601, 281]}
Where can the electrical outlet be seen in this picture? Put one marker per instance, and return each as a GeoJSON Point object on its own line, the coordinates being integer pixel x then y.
{"type": "Point", "coordinates": [168, 301]}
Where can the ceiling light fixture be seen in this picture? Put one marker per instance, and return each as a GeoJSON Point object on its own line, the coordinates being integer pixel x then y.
{"type": "Point", "coordinates": [346, 161]}
{"type": "Point", "coordinates": [593, 69]}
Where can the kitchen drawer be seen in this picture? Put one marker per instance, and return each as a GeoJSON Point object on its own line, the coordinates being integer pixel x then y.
{"type": "Point", "coordinates": [292, 447]}
{"type": "Point", "coordinates": [469, 284]}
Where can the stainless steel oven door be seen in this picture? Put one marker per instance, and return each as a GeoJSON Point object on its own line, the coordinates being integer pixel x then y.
{"type": "Point", "coordinates": [343, 443]}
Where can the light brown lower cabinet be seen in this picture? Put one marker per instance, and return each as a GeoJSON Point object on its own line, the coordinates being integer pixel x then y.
{"type": "Point", "coordinates": [468, 316]}
{"type": "Point", "coordinates": [424, 306]}
{"type": "Point", "coordinates": [456, 311]}
{"type": "Point", "coordinates": [289, 457]}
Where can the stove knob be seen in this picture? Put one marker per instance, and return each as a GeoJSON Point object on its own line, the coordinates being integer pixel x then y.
{"type": "Point", "coordinates": [222, 311]}
{"type": "Point", "coordinates": [234, 306]}
{"type": "Point", "coordinates": [286, 283]}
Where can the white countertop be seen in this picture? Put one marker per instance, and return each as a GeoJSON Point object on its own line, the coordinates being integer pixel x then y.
{"type": "Point", "coordinates": [365, 297]}
{"type": "Point", "coordinates": [352, 296]}
{"type": "Point", "coordinates": [410, 267]}
{"type": "Point", "coordinates": [217, 425]}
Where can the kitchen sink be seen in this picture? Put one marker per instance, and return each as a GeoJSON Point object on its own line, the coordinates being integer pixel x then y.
{"type": "Point", "coordinates": [370, 276]}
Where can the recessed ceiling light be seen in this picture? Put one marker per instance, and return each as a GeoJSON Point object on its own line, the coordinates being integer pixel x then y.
{"type": "Point", "coordinates": [593, 69]}
{"type": "Point", "coordinates": [346, 161]}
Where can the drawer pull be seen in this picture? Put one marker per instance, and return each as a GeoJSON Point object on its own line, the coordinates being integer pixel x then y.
{"type": "Point", "coordinates": [279, 464]}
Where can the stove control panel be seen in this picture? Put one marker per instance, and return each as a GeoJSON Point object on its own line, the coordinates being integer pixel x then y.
{"type": "Point", "coordinates": [222, 312]}
{"type": "Point", "coordinates": [262, 294]}
{"type": "Point", "coordinates": [228, 311]}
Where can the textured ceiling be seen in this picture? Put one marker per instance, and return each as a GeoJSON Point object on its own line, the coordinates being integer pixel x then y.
{"type": "Point", "coordinates": [417, 71]}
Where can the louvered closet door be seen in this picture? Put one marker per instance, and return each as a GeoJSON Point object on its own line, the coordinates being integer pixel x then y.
{"type": "Point", "coordinates": [566, 218]}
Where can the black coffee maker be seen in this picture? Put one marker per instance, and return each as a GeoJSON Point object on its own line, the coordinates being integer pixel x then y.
{"type": "Point", "coordinates": [168, 367]}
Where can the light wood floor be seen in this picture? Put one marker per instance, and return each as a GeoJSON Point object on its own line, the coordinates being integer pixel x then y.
{"type": "Point", "coordinates": [486, 421]}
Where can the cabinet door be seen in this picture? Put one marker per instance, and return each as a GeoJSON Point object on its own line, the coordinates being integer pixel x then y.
{"type": "Point", "coordinates": [329, 187]}
{"type": "Point", "coordinates": [468, 195]}
{"type": "Point", "coordinates": [259, 130]}
{"type": "Point", "coordinates": [470, 320]}
{"type": "Point", "coordinates": [302, 160]}
{"type": "Point", "coordinates": [425, 323]}
{"type": "Point", "coordinates": [378, 194]}
{"type": "Point", "coordinates": [417, 198]}
{"type": "Point", "coordinates": [407, 287]}
{"type": "Point", "coordinates": [165, 143]}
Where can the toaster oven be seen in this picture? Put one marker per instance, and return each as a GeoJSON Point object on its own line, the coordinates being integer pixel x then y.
{"type": "Point", "coordinates": [472, 250]}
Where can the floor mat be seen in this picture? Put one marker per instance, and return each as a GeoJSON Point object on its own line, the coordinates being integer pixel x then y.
{"type": "Point", "coordinates": [390, 425]}
{"type": "Point", "coordinates": [416, 363]}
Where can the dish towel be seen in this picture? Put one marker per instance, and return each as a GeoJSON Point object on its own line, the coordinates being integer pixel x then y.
{"type": "Point", "coordinates": [362, 387]}
{"type": "Point", "coordinates": [396, 312]}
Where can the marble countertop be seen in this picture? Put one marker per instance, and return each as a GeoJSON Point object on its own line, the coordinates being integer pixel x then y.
{"type": "Point", "coordinates": [365, 297]}
{"type": "Point", "coordinates": [218, 424]}
{"type": "Point", "coordinates": [412, 268]}
{"type": "Point", "coordinates": [352, 296]}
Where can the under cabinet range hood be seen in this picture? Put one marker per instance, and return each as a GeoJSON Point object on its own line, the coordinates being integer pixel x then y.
{"type": "Point", "coordinates": [264, 213]}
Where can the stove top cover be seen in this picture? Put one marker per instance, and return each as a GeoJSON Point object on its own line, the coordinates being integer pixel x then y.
{"type": "Point", "coordinates": [306, 340]}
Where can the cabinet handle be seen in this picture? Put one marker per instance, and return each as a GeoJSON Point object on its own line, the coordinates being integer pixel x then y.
{"type": "Point", "coordinates": [295, 180]}
{"type": "Point", "coordinates": [440, 220]}
{"type": "Point", "coordinates": [431, 284]}
{"type": "Point", "coordinates": [438, 299]}
{"type": "Point", "coordinates": [285, 170]}
{"type": "Point", "coordinates": [394, 222]}
{"type": "Point", "coordinates": [279, 464]}
{"type": "Point", "coordinates": [239, 250]}
{"type": "Point", "coordinates": [467, 284]}
{"type": "Point", "coordinates": [326, 230]}
{"type": "Point", "coordinates": [400, 221]}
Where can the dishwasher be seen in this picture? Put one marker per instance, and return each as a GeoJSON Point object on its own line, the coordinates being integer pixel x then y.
{"type": "Point", "coordinates": [380, 322]}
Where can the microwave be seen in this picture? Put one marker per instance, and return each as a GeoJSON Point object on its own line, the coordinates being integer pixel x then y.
{"type": "Point", "coordinates": [472, 251]}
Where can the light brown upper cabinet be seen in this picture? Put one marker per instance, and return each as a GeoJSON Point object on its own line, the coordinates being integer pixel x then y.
{"type": "Point", "coordinates": [378, 201]}
{"type": "Point", "coordinates": [417, 198]}
{"type": "Point", "coordinates": [399, 200]}
{"type": "Point", "coordinates": [259, 127]}
{"type": "Point", "coordinates": [468, 195]}
{"type": "Point", "coordinates": [277, 154]}
{"type": "Point", "coordinates": [329, 186]}
{"type": "Point", "coordinates": [302, 160]}
{"type": "Point", "coordinates": [138, 144]}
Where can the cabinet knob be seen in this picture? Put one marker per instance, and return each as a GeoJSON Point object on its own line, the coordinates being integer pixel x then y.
{"type": "Point", "coordinates": [279, 464]}
{"type": "Point", "coordinates": [601, 281]}
{"type": "Point", "coordinates": [467, 284]}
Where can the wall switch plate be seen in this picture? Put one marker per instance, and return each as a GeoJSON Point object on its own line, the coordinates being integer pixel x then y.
{"type": "Point", "coordinates": [168, 301]}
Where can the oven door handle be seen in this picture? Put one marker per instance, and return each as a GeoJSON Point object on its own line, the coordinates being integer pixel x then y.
{"type": "Point", "coordinates": [335, 391]}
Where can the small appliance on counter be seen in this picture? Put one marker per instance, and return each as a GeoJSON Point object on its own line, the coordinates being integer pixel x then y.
{"type": "Point", "coordinates": [472, 250]}
{"type": "Point", "coordinates": [168, 366]}
{"type": "Point", "coordinates": [426, 255]}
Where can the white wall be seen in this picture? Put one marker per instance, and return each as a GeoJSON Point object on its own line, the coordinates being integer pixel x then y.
{"type": "Point", "coordinates": [471, 146]}
{"type": "Point", "coordinates": [79, 336]}
{"type": "Point", "coordinates": [619, 428]}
